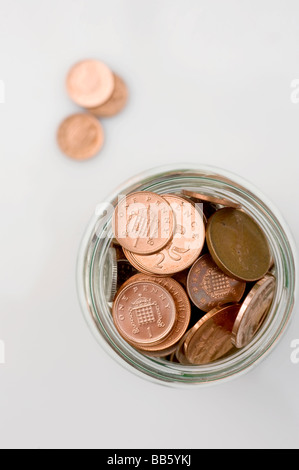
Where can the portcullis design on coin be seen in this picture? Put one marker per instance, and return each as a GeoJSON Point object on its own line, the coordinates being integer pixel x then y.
{"type": "Point", "coordinates": [144, 312]}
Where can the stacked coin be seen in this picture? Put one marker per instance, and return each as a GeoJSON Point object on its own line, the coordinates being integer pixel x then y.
{"type": "Point", "coordinates": [194, 270]}
{"type": "Point", "coordinates": [93, 86]}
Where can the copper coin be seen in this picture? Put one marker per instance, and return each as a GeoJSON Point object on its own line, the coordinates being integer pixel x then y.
{"type": "Point", "coordinates": [143, 222]}
{"type": "Point", "coordinates": [214, 200]}
{"type": "Point", "coordinates": [253, 311]}
{"type": "Point", "coordinates": [162, 353]}
{"type": "Point", "coordinates": [116, 102]}
{"type": "Point", "coordinates": [185, 246]}
{"type": "Point", "coordinates": [143, 312]}
{"type": "Point", "coordinates": [90, 83]}
{"type": "Point", "coordinates": [80, 136]}
{"type": "Point", "coordinates": [238, 245]}
{"type": "Point", "coordinates": [210, 337]}
{"type": "Point", "coordinates": [172, 357]}
{"type": "Point", "coordinates": [208, 287]}
{"type": "Point", "coordinates": [183, 310]}
{"type": "Point", "coordinates": [180, 350]}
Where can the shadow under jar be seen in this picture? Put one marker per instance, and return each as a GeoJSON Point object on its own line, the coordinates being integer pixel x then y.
{"type": "Point", "coordinates": [92, 268]}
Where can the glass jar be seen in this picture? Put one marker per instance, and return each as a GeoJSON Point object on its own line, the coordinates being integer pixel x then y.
{"type": "Point", "coordinates": [93, 267]}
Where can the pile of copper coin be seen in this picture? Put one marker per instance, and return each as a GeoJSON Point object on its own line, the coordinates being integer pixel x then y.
{"type": "Point", "coordinates": [93, 86]}
{"type": "Point", "coordinates": [188, 275]}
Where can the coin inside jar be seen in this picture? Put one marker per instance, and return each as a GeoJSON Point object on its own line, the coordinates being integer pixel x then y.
{"type": "Point", "coordinates": [90, 83]}
{"type": "Point", "coordinates": [212, 199]}
{"type": "Point", "coordinates": [253, 311]}
{"type": "Point", "coordinates": [208, 286]}
{"type": "Point", "coordinates": [183, 311]}
{"type": "Point", "coordinates": [110, 274]}
{"type": "Point", "coordinates": [210, 338]}
{"type": "Point", "coordinates": [143, 222]}
{"type": "Point", "coordinates": [143, 312]}
{"type": "Point", "coordinates": [185, 246]}
{"type": "Point", "coordinates": [115, 103]}
{"type": "Point", "coordinates": [80, 136]}
{"type": "Point", "coordinates": [238, 245]}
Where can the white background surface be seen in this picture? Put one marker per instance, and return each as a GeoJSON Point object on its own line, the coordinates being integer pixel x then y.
{"type": "Point", "coordinates": [209, 82]}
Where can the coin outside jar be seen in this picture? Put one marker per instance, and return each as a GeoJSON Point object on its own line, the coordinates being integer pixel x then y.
{"type": "Point", "coordinates": [115, 103]}
{"type": "Point", "coordinates": [90, 83]}
{"type": "Point", "coordinates": [80, 136]}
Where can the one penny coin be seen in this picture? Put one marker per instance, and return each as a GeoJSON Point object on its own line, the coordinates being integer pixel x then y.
{"type": "Point", "coordinates": [116, 102]}
{"type": "Point", "coordinates": [80, 136]}
{"type": "Point", "coordinates": [212, 199]}
{"type": "Point", "coordinates": [143, 222]}
{"type": "Point", "coordinates": [183, 310]}
{"type": "Point", "coordinates": [143, 312]}
{"type": "Point", "coordinates": [90, 83]}
{"type": "Point", "coordinates": [185, 246]}
{"type": "Point", "coordinates": [253, 311]}
{"type": "Point", "coordinates": [208, 287]}
{"type": "Point", "coordinates": [238, 245]}
{"type": "Point", "coordinates": [210, 338]}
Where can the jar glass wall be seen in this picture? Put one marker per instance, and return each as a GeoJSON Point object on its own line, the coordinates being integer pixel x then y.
{"type": "Point", "coordinates": [92, 269]}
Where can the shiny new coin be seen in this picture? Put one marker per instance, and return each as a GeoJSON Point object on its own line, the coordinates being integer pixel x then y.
{"type": "Point", "coordinates": [143, 222]}
{"type": "Point", "coordinates": [253, 311]}
{"type": "Point", "coordinates": [238, 245]}
{"type": "Point", "coordinates": [90, 83]}
{"type": "Point", "coordinates": [184, 247]}
{"type": "Point", "coordinates": [183, 311]}
{"type": "Point", "coordinates": [143, 312]}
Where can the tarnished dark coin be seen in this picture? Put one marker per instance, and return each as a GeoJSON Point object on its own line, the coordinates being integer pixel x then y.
{"type": "Point", "coordinates": [210, 338]}
{"type": "Point", "coordinates": [238, 245]}
{"type": "Point", "coordinates": [253, 311]}
{"type": "Point", "coordinates": [209, 287]}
